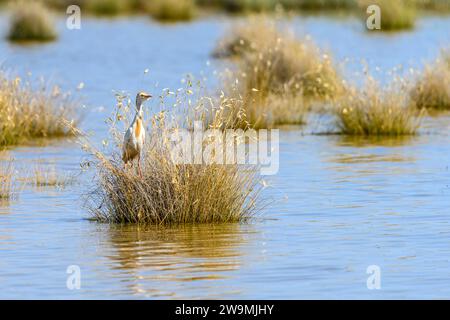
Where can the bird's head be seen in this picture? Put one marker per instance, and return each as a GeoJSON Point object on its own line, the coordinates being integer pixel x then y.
{"type": "Point", "coordinates": [141, 97]}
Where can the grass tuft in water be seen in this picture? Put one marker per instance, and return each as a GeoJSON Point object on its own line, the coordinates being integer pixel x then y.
{"type": "Point", "coordinates": [27, 113]}
{"type": "Point", "coordinates": [31, 21]}
{"type": "Point", "coordinates": [47, 176]}
{"type": "Point", "coordinates": [170, 193]}
{"type": "Point", "coordinates": [7, 190]}
{"type": "Point", "coordinates": [432, 90]}
{"type": "Point", "coordinates": [372, 111]}
{"type": "Point", "coordinates": [275, 74]}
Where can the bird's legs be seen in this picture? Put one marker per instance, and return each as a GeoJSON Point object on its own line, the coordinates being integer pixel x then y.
{"type": "Point", "coordinates": [139, 166]}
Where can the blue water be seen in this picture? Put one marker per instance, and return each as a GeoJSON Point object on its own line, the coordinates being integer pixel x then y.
{"type": "Point", "coordinates": [339, 204]}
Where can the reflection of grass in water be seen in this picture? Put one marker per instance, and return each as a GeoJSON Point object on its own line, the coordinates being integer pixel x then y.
{"type": "Point", "coordinates": [368, 158]}
{"type": "Point", "coordinates": [147, 246]}
{"type": "Point", "coordinates": [369, 141]}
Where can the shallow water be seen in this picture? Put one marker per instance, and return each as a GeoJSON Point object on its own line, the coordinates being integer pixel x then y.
{"type": "Point", "coordinates": [340, 204]}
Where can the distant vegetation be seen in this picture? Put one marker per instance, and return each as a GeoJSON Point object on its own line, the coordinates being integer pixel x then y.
{"type": "Point", "coordinates": [275, 74]}
{"type": "Point", "coordinates": [31, 21]}
{"type": "Point", "coordinates": [376, 111]}
{"type": "Point", "coordinates": [171, 10]}
{"type": "Point", "coordinates": [170, 193]}
{"type": "Point", "coordinates": [432, 90]}
{"type": "Point", "coordinates": [395, 15]}
{"type": "Point", "coordinates": [27, 113]}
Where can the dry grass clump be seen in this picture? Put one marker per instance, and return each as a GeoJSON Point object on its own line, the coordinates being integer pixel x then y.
{"type": "Point", "coordinates": [372, 111]}
{"type": "Point", "coordinates": [276, 75]}
{"type": "Point", "coordinates": [171, 10]}
{"type": "Point", "coordinates": [432, 90]}
{"type": "Point", "coordinates": [6, 180]}
{"type": "Point", "coordinates": [31, 21]}
{"type": "Point", "coordinates": [27, 113]}
{"type": "Point", "coordinates": [169, 192]}
{"type": "Point", "coordinates": [395, 15]}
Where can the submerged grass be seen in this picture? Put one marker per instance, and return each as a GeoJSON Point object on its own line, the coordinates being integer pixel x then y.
{"type": "Point", "coordinates": [27, 113]}
{"type": "Point", "coordinates": [169, 192]}
{"type": "Point", "coordinates": [31, 21]}
{"type": "Point", "coordinates": [276, 75]}
{"type": "Point", "coordinates": [373, 111]}
{"type": "Point", "coordinates": [432, 90]}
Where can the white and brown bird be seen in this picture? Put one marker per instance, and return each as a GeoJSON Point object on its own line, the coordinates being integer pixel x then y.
{"type": "Point", "coordinates": [134, 139]}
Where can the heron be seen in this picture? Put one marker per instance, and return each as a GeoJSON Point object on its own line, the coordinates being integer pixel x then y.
{"type": "Point", "coordinates": [134, 138]}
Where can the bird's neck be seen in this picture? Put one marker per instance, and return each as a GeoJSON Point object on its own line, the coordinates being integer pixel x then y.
{"type": "Point", "coordinates": [139, 112]}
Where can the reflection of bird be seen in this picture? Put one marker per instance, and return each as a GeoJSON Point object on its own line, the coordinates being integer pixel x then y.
{"type": "Point", "coordinates": [134, 138]}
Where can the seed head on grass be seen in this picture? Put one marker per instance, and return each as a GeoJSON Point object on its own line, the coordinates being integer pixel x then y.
{"type": "Point", "coordinates": [432, 90]}
{"type": "Point", "coordinates": [373, 111]}
{"type": "Point", "coordinates": [169, 192]}
{"type": "Point", "coordinates": [31, 21]}
{"type": "Point", "coordinates": [27, 113]}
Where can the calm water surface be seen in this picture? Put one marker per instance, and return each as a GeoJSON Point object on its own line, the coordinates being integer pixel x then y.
{"type": "Point", "coordinates": [340, 204]}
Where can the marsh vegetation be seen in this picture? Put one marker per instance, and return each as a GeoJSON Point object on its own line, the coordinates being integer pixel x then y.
{"type": "Point", "coordinates": [28, 112]}
{"type": "Point", "coordinates": [432, 89]}
{"type": "Point", "coordinates": [276, 74]}
{"type": "Point", "coordinates": [31, 21]}
{"type": "Point", "coordinates": [376, 111]}
{"type": "Point", "coordinates": [169, 192]}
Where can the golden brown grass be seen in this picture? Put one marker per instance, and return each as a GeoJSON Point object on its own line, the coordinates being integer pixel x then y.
{"type": "Point", "coordinates": [373, 111]}
{"type": "Point", "coordinates": [7, 190]}
{"type": "Point", "coordinates": [432, 90]}
{"type": "Point", "coordinates": [170, 193]}
{"type": "Point", "coordinates": [31, 21]}
{"type": "Point", "coordinates": [27, 113]}
{"type": "Point", "coordinates": [275, 74]}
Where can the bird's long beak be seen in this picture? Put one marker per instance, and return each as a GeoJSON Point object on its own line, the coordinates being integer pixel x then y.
{"type": "Point", "coordinates": [147, 95]}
